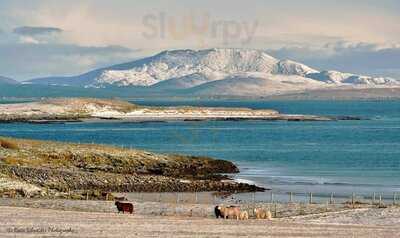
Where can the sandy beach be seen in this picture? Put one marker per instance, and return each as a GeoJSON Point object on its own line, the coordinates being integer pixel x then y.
{"type": "Point", "coordinates": [34, 222]}
{"type": "Point", "coordinates": [73, 218]}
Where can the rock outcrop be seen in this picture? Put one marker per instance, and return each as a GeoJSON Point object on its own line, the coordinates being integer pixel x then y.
{"type": "Point", "coordinates": [65, 166]}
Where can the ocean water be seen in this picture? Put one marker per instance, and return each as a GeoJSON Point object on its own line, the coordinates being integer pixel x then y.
{"type": "Point", "coordinates": [338, 157]}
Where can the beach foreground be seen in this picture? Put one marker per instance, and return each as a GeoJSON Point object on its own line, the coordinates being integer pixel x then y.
{"type": "Point", "coordinates": [32, 222]}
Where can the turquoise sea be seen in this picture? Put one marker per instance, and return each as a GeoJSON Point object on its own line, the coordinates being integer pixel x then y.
{"type": "Point", "coordinates": [300, 157]}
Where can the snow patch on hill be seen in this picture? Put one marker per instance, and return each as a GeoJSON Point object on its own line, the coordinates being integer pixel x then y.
{"type": "Point", "coordinates": [338, 78]}
{"type": "Point", "coordinates": [288, 67]}
{"type": "Point", "coordinates": [256, 84]}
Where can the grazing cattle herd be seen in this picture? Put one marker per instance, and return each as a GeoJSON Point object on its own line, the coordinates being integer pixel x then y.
{"type": "Point", "coordinates": [234, 212]}
{"type": "Point", "coordinates": [225, 212]}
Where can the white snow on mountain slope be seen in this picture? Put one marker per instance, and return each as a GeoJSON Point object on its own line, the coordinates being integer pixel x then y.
{"type": "Point", "coordinates": [195, 67]}
{"type": "Point", "coordinates": [257, 84]}
{"type": "Point", "coordinates": [288, 67]}
{"type": "Point", "coordinates": [338, 78]}
{"type": "Point", "coordinates": [214, 64]}
{"type": "Point", "coordinates": [184, 82]}
{"type": "Point", "coordinates": [203, 69]}
{"type": "Point", "coordinates": [366, 80]}
{"type": "Point", "coordinates": [330, 77]}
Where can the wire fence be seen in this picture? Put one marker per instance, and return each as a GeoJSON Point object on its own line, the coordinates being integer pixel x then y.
{"type": "Point", "coordinates": [202, 204]}
{"type": "Point", "coordinates": [280, 205]}
{"type": "Point", "coordinates": [267, 197]}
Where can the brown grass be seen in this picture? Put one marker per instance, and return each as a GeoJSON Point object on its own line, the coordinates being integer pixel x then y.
{"type": "Point", "coordinates": [8, 144]}
{"type": "Point", "coordinates": [116, 104]}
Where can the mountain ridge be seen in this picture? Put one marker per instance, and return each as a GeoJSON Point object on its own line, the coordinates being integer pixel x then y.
{"type": "Point", "coordinates": [188, 70]}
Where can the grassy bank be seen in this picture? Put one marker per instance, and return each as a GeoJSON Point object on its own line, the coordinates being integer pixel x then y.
{"type": "Point", "coordinates": [55, 167]}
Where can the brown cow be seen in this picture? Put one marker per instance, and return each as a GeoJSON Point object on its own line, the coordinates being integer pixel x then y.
{"type": "Point", "coordinates": [124, 207]}
{"type": "Point", "coordinates": [262, 214]}
{"type": "Point", "coordinates": [227, 212]}
{"type": "Point", "coordinates": [244, 215]}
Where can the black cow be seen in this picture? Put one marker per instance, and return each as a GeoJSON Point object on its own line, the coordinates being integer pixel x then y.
{"type": "Point", "coordinates": [217, 212]}
{"type": "Point", "coordinates": [124, 207]}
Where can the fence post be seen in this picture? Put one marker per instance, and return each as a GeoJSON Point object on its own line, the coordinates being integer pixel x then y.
{"type": "Point", "coordinates": [275, 210]}
{"type": "Point", "coordinates": [331, 201]}
{"type": "Point", "coordinates": [177, 202]}
{"type": "Point", "coordinates": [215, 199]}
{"type": "Point", "coordinates": [374, 198]}
{"type": "Point", "coordinates": [380, 199]}
{"type": "Point", "coordinates": [290, 197]}
{"type": "Point", "coordinates": [352, 199]}
{"type": "Point", "coordinates": [311, 198]}
{"type": "Point", "coordinates": [394, 198]}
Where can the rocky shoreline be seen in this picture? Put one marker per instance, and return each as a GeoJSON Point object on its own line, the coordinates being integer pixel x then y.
{"type": "Point", "coordinates": [65, 182]}
{"type": "Point", "coordinates": [43, 168]}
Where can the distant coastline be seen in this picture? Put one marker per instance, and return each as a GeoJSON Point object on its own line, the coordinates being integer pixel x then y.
{"type": "Point", "coordinates": [87, 109]}
{"type": "Point", "coordinates": [25, 92]}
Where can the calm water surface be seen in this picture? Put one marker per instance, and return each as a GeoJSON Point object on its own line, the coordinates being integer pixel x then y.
{"type": "Point", "coordinates": [320, 157]}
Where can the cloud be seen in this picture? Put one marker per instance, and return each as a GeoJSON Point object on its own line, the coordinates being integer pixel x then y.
{"type": "Point", "coordinates": [361, 58]}
{"type": "Point", "coordinates": [29, 40]}
{"type": "Point", "coordinates": [101, 22]}
{"type": "Point", "coordinates": [33, 31]}
{"type": "Point", "coordinates": [37, 35]}
{"type": "Point", "coordinates": [25, 61]}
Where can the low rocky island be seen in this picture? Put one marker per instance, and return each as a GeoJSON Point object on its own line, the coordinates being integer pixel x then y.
{"type": "Point", "coordinates": [44, 168]}
{"type": "Point", "coordinates": [88, 109]}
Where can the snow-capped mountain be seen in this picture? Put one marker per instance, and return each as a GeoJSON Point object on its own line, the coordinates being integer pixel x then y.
{"type": "Point", "coordinates": [212, 64]}
{"type": "Point", "coordinates": [219, 72]}
{"type": "Point", "coordinates": [5, 80]}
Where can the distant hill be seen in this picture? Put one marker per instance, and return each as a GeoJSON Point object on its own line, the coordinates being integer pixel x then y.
{"type": "Point", "coordinates": [5, 80]}
{"type": "Point", "coordinates": [216, 72]}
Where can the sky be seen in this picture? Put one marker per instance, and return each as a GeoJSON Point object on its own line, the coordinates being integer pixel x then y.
{"type": "Point", "coordinates": [40, 38]}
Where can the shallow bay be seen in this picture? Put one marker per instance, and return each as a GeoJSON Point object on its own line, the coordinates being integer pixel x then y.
{"type": "Point", "coordinates": [300, 157]}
